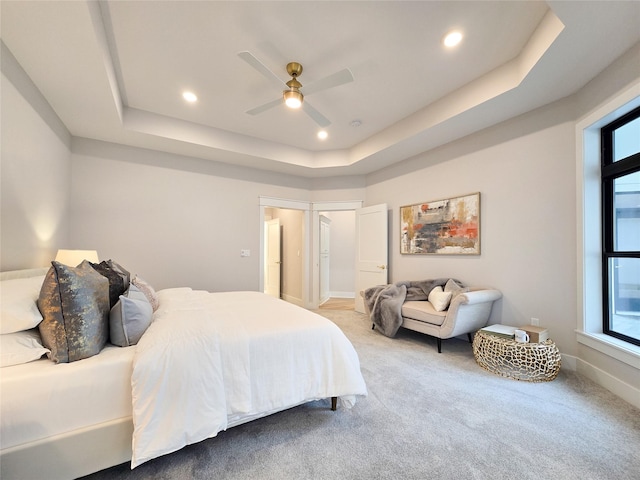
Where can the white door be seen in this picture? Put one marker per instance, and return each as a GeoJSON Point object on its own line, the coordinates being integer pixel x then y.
{"type": "Point", "coordinates": [325, 231]}
{"type": "Point", "coordinates": [371, 250]}
{"type": "Point", "coordinates": [272, 258]}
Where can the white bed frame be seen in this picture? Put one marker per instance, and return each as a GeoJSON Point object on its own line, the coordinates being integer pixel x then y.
{"type": "Point", "coordinates": [70, 455]}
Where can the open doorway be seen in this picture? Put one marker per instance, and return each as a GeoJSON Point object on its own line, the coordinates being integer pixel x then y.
{"type": "Point", "coordinates": [283, 254]}
{"type": "Point", "coordinates": [337, 259]}
{"type": "Point", "coordinates": [308, 255]}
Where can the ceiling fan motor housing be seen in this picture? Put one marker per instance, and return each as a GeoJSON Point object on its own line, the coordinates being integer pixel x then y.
{"type": "Point", "coordinates": [294, 69]}
{"type": "Point", "coordinates": [293, 97]}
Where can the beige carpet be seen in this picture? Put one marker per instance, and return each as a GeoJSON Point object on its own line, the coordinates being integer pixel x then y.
{"type": "Point", "coordinates": [427, 416]}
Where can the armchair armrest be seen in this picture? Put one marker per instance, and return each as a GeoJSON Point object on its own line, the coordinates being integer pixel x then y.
{"type": "Point", "coordinates": [469, 312]}
{"type": "Point", "coordinates": [477, 296]}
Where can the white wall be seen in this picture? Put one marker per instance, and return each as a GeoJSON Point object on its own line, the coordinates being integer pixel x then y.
{"type": "Point", "coordinates": [35, 173]}
{"type": "Point", "coordinates": [173, 220]}
{"type": "Point", "coordinates": [524, 171]}
{"type": "Point", "coordinates": [342, 259]}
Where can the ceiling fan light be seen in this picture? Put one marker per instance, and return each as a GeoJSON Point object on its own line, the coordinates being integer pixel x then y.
{"type": "Point", "coordinates": [292, 98]}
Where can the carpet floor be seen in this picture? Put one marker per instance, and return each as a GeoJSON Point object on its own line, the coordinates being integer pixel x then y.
{"type": "Point", "coordinates": [427, 416]}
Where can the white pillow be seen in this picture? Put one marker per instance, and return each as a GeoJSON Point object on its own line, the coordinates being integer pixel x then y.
{"type": "Point", "coordinates": [18, 307]}
{"type": "Point", "coordinates": [439, 299]}
{"type": "Point", "coordinates": [21, 347]}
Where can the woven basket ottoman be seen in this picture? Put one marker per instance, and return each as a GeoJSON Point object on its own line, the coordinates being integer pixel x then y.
{"type": "Point", "coordinates": [530, 362]}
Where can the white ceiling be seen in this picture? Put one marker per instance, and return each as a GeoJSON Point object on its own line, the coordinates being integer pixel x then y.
{"type": "Point", "coordinates": [115, 71]}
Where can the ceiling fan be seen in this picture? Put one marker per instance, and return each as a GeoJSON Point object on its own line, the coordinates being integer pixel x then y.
{"type": "Point", "coordinates": [292, 96]}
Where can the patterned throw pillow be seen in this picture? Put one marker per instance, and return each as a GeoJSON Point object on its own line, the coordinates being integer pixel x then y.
{"type": "Point", "coordinates": [74, 303]}
{"type": "Point", "coordinates": [126, 276]}
{"type": "Point", "coordinates": [148, 291]}
{"type": "Point", "coordinates": [116, 280]}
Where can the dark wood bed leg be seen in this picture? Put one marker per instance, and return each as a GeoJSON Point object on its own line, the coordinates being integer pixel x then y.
{"type": "Point", "coordinates": [439, 340]}
{"type": "Point", "coordinates": [334, 403]}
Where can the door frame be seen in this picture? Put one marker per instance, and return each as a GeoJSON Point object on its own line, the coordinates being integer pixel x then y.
{"type": "Point", "coordinates": [271, 202]}
{"type": "Point", "coordinates": [311, 240]}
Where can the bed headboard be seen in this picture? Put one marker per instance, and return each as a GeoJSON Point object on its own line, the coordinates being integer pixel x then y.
{"type": "Point", "coordinates": [30, 272]}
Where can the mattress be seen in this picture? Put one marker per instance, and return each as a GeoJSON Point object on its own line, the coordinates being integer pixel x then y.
{"type": "Point", "coordinates": [42, 399]}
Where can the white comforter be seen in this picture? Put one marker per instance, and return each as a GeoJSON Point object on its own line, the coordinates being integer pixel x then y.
{"type": "Point", "coordinates": [212, 359]}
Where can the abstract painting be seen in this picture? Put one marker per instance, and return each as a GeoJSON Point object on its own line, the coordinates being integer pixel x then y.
{"type": "Point", "coordinates": [444, 227]}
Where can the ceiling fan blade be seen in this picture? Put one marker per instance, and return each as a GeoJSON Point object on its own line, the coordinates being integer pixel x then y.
{"type": "Point", "coordinates": [315, 115]}
{"type": "Point", "coordinates": [265, 107]}
{"type": "Point", "coordinates": [259, 66]}
{"type": "Point", "coordinates": [334, 80]}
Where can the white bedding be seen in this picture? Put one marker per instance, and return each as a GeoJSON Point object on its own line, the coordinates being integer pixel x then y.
{"type": "Point", "coordinates": [211, 359]}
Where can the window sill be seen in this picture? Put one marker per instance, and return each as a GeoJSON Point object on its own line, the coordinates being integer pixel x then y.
{"type": "Point", "coordinates": [611, 346]}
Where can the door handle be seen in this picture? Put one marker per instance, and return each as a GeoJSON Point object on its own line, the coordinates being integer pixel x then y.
{"type": "Point", "coordinates": [382, 267]}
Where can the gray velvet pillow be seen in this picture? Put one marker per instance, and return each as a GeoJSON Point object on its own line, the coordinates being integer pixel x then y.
{"type": "Point", "coordinates": [129, 318]}
{"type": "Point", "coordinates": [74, 303]}
{"type": "Point", "coordinates": [455, 288]}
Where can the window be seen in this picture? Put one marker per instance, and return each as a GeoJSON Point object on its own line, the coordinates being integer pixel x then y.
{"type": "Point", "coordinates": [620, 176]}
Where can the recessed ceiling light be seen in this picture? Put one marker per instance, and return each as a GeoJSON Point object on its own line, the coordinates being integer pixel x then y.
{"type": "Point", "coordinates": [322, 134]}
{"type": "Point", "coordinates": [452, 39]}
{"type": "Point", "coordinates": [189, 97]}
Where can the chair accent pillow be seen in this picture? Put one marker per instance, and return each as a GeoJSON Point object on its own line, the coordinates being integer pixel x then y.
{"type": "Point", "coordinates": [129, 318]}
{"type": "Point", "coordinates": [455, 288]}
{"type": "Point", "coordinates": [74, 303]}
{"type": "Point", "coordinates": [439, 299]}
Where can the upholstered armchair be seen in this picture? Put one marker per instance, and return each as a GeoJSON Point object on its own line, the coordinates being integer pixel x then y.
{"type": "Point", "coordinates": [464, 311]}
{"type": "Point", "coordinates": [467, 313]}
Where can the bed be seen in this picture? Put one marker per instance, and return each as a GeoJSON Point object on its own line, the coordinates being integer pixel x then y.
{"type": "Point", "coordinates": [205, 363]}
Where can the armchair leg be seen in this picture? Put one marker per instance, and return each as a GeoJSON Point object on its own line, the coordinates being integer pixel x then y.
{"type": "Point", "coordinates": [373, 326]}
{"type": "Point", "coordinates": [439, 340]}
{"type": "Point", "coordinates": [470, 337]}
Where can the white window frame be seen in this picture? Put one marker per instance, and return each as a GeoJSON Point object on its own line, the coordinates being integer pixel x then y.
{"type": "Point", "coordinates": [589, 228]}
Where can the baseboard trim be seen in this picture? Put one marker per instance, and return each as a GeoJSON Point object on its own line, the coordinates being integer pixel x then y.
{"type": "Point", "coordinates": [342, 294]}
{"type": "Point", "coordinates": [616, 386]}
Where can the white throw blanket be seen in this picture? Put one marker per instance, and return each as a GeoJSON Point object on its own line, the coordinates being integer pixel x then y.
{"type": "Point", "coordinates": [213, 359]}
